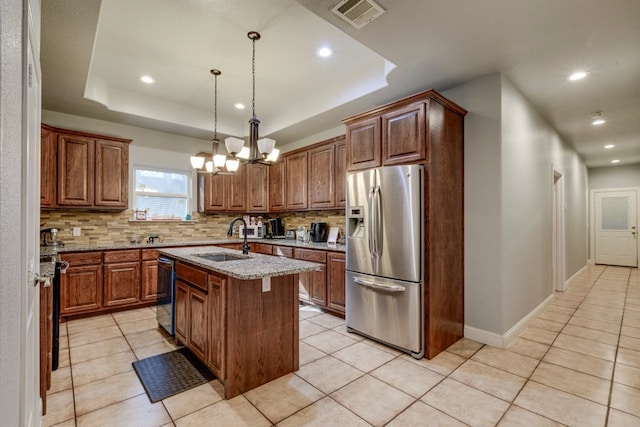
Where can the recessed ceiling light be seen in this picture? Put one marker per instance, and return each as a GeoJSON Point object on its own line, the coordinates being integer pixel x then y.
{"type": "Point", "coordinates": [609, 146]}
{"type": "Point", "coordinates": [147, 79]}
{"type": "Point", "coordinates": [615, 161]}
{"type": "Point", "coordinates": [597, 119]}
{"type": "Point", "coordinates": [324, 52]}
{"type": "Point", "coordinates": [598, 122]}
{"type": "Point", "coordinates": [239, 105]}
{"type": "Point", "coordinates": [578, 75]}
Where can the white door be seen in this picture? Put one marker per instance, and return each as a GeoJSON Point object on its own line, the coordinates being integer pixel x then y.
{"type": "Point", "coordinates": [616, 228]}
{"type": "Point", "coordinates": [30, 331]}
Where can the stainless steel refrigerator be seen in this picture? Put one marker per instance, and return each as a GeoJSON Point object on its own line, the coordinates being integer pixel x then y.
{"type": "Point", "coordinates": [385, 256]}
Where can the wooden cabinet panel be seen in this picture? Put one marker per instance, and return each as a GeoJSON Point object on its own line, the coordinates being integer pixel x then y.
{"type": "Point", "coordinates": [340, 171]}
{"type": "Point", "coordinates": [149, 281]}
{"type": "Point", "coordinates": [257, 188]}
{"type": "Point", "coordinates": [47, 168]}
{"type": "Point", "coordinates": [198, 334]}
{"type": "Point", "coordinates": [277, 186]}
{"type": "Point", "coordinates": [181, 311]}
{"type": "Point", "coordinates": [121, 283]}
{"type": "Point", "coordinates": [216, 192]}
{"type": "Point", "coordinates": [311, 255]}
{"type": "Point", "coordinates": [336, 281]}
{"type": "Point", "coordinates": [404, 135]}
{"type": "Point", "coordinates": [81, 289]}
{"type": "Point", "coordinates": [313, 284]}
{"type": "Point", "coordinates": [191, 275]}
{"type": "Point", "coordinates": [261, 248]}
{"type": "Point", "coordinates": [121, 256]}
{"type": "Point", "coordinates": [238, 190]}
{"type": "Point", "coordinates": [236, 246]}
{"type": "Point", "coordinates": [285, 251]}
{"type": "Point", "coordinates": [112, 174]}
{"type": "Point", "coordinates": [82, 258]}
{"type": "Point", "coordinates": [363, 144]}
{"type": "Point", "coordinates": [217, 325]}
{"type": "Point", "coordinates": [296, 166]}
{"type": "Point", "coordinates": [149, 254]}
{"type": "Point", "coordinates": [321, 177]}
{"type": "Point", "coordinates": [76, 175]}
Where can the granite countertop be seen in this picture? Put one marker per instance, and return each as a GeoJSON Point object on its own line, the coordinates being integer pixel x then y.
{"type": "Point", "coordinates": [256, 266]}
{"type": "Point", "coordinates": [108, 246]}
{"type": "Point", "coordinates": [47, 269]}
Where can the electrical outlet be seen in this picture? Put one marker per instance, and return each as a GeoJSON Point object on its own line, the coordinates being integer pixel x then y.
{"type": "Point", "coordinates": [76, 231]}
{"type": "Point", "coordinates": [266, 284]}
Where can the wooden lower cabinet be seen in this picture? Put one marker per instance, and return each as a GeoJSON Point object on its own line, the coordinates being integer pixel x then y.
{"type": "Point", "coordinates": [46, 341]}
{"type": "Point", "coordinates": [191, 309]}
{"type": "Point", "coordinates": [217, 325]}
{"type": "Point", "coordinates": [81, 289]}
{"type": "Point", "coordinates": [121, 283]}
{"type": "Point", "coordinates": [336, 281]}
{"type": "Point", "coordinates": [313, 284]}
{"type": "Point", "coordinates": [198, 330]}
{"type": "Point", "coordinates": [149, 280]}
{"type": "Point", "coordinates": [181, 311]}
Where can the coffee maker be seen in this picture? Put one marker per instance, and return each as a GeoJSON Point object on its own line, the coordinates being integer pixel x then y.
{"type": "Point", "coordinates": [318, 232]}
{"type": "Point", "coordinates": [277, 227]}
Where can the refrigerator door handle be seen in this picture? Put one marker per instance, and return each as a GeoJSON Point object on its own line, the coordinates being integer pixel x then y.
{"type": "Point", "coordinates": [371, 225]}
{"type": "Point", "coordinates": [368, 284]}
{"type": "Point", "coordinates": [378, 224]}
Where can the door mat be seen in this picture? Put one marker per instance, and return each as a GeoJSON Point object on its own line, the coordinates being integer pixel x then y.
{"type": "Point", "coordinates": [171, 373]}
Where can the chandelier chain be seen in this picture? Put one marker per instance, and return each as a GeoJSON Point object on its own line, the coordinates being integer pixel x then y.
{"type": "Point", "coordinates": [215, 108]}
{"type": "Point", "coordinates": [253, 74]}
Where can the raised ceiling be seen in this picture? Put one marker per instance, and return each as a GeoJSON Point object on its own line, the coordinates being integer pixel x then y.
{"type": "Point", "coordinates": [93, 53]}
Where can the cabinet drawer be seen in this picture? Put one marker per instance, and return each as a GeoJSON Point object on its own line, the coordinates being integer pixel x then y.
{"type": "Point", "coordinates": [83, 258]}
{"type": "Point", "coordinates": [149, 254]}
{"type": "Point", "coordinates": [121, 256]}
{"type": "Point", "coordinates": [262, 248]}
{"type": "Point", "coordinates": [284, 251]}
{"type": "Point", "coordinates": [192, 275]}
{"type": "Point", "coordinates": [311, 255]}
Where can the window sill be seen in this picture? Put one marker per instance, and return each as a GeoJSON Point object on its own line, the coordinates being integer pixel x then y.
{"type": "Point", "coordinates": [148, 221]}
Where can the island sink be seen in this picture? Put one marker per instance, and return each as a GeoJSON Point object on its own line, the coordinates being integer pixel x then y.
{"type": "Point", "coordinates": [224, 256]}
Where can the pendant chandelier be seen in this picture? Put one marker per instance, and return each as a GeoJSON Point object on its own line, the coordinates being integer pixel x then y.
{"type": "Point", "coordinates": [218, 161]}
{"type": "Point", "coordinates": [263, 150]}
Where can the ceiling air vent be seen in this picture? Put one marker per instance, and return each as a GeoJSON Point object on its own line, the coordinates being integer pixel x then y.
{"type": "Point", "coordinates": [358, 13]}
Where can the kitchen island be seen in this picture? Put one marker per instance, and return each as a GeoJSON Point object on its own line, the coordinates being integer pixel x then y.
{"type": "Point", "coordinates": [240, 316]}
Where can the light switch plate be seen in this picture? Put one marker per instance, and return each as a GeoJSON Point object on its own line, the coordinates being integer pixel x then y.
{"type": "Point", "coordinates": [266, 284]}
{"type": "Point", "coordinates": [76, 231]}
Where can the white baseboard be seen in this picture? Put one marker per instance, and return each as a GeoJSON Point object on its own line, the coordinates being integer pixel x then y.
{"type": "Point", "coordinates": [502, 341]}
{"type": "Point", "coordinates": [567, 283]}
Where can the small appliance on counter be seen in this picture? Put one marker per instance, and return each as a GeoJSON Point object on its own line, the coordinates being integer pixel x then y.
{"type": "Point", "coordinates": [291, 234]}
{"type": "Point", "coordinates": [318, 232]}
{"type": "Point", "coordinates": [251, 231]}
{"type": "Point", "coordinates": [277, 228]}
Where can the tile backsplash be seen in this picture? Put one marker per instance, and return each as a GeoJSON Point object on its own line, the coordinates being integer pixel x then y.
{"type": "Point", "coordinates": [100, 228]}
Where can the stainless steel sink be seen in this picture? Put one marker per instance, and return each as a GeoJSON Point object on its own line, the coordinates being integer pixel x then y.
{"type": "Point", "coordinates": [223, 256]}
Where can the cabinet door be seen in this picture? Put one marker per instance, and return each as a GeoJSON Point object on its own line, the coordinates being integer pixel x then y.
{"type": "Point", "coordinates": [305, 282]}
{"type": "Point", "coordinates": [47, 168]}
{"type": "Point", "coordinates": [257, 187]}
{"type": "Point", "coordinates": [296, 181]}
{"type": "Point", "coordinates": [217, 325]}
{"type": "Point", "coordinates": [335, 281]}
{"type": "Point", "coordinates": [261, 248]}
{"type": "Point", "coordinates": [198, 334]}
{"type": "Point", "coordinates": [150, 281]}
{"type": "Point", "coordinates": [340, 173]}
{"type": "Point", "coordinates": [277, 188]}
{"type": "Point", "coordinates": [321, 177]}
{"type": "Point", "coordinates": [112, 174]}
{"type": "Point", "coordinates": [404, 135]}
{"type": "Point", "coordinates": [121, 283]}
{"type": "Point", "coordinates": [181, 311]}
{"type": "Point", "coordinates": [216, 192]}
{"type": "Point", "coordinates": [76, 161]}
{"type": "Point", "coordinates": [238, 190]}
{"type": "Point", "coordinates": [81, 289]}
{"type": "Point", "coordinates": [363, 144]}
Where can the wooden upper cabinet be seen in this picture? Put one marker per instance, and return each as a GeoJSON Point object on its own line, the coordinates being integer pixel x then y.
{"type": "Point", "coordinates": [296, 167]}
{"type": "Point", "coordinates": [47, 168]}
{"type": "Point", "coordinates": [363, 144]}
{"type": "Point", "coordinates": [321, 177]}
{"type": "Point", "coordinates": [257, 187]}
{"type": "Point", "coordinates": [112, 174]}
{"type": "Point", "coordinates": [216, 192]}
{"type": "Point", "coordinates": [238, 190]}
{"type": "Point", "coordinates": [404, 135]}
{"type": "Point", "coordinates": [340, 172]}
{"type": "Point", "coordinates": [76, 175]}
{"type": "Point", "coordinates": [277, 189]}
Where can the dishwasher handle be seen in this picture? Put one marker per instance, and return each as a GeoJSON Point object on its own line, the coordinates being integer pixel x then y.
{"type": "Point", "coordinates": [163, 260]}
{"type": "Point", "coordinates": [368, 284]}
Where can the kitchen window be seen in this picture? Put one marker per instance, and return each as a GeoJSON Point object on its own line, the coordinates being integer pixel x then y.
{"type": "Point", "coordinates": [164, 194]}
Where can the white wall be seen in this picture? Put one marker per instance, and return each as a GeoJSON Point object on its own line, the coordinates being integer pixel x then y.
{"type": "Point", "coordinates": [509, 153]}
{"type": "Point", "coordinates": [11, 263]}
{"type": "Point", "coordinates": [621, 176]}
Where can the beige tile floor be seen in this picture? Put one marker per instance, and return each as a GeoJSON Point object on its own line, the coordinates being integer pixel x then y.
{"type": "Point", "coordinates": [578, 364]}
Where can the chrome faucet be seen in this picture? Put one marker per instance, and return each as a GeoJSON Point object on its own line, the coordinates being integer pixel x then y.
{"type": "Point", "coordinates": [245, 245]}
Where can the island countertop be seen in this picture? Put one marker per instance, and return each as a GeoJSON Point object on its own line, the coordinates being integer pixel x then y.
{"type": "Point", "coordinates": [256, 266]}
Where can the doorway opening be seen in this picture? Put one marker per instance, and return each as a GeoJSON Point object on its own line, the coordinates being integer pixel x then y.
{"type": "Point", "coordinates": [559, 283]}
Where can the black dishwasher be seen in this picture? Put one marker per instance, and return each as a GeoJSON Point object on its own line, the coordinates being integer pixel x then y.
{"type": "Point", "coordinates": [165, 303]}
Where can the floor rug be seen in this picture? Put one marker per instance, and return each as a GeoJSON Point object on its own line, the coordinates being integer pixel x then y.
{"type": "Point", "coordinates": [171, 373]}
